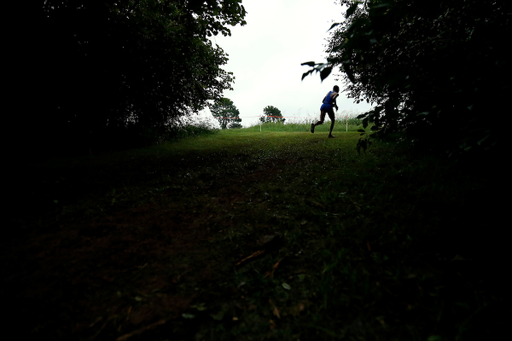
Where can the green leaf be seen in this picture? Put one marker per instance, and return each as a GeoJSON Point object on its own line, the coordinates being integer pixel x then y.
{"type": "Point", "coordinates": [308, 63]}
{"type": "Point", "coordinates": [286, 286]}
{"type": "Point", "coordinates": [333, 26]}
{"type": "Point", "coordinates": [325, 72]}
{"type": "Point", "coordinates": [306, 74]}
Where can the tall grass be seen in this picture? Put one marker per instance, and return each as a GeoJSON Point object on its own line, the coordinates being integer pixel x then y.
{"type": "Point", "coordinates": [344, 122]}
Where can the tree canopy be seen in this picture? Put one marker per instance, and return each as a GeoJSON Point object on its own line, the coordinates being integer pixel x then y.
{"type": "Point", "coordinates": [272, 114]}
{"type": "Point", "coordinates": [117, 63]}
{"type": "Point", "coordinates": [436, 70]}
{"type": "Point", "coordinates": [225, 111]}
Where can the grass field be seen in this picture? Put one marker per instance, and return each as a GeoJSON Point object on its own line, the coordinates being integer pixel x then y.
{"type": "Point", "coordinates": [242, 235]}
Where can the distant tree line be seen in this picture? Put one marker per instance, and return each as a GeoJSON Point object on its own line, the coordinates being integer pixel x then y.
{"type": "Point", "coordinates": [101, 69]}
{"type": "Point", "coordinates": [438, 72]}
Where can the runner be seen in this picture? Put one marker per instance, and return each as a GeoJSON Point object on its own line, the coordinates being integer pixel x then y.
{"type": "Point", "coordinates": [328, 103]}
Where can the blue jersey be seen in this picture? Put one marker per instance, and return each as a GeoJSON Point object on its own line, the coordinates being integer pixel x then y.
{"type": "Point", "coordinates": [328, 102]}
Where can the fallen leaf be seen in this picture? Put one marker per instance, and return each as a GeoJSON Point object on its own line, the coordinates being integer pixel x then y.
{"type": "Point", "coordinates": [270, 274]}
{"type": "Point", "coordinates": [286, 286]}
{"type": "Point", "coordinates": [128, 313]}
{"type": "Point", "coordinates": [96, 321]}
{"type": "Point", "coordinates": [254, 254]}
{"type": "Point", "coordinates": [277, 264]}
{"type": "Point", "coordinates": [275, 311]}
{"type": "Point", "coordinates": [140, 331]}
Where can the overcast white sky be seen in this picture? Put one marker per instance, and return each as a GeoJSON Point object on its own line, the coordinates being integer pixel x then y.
{"type": "Point", "coordinates": [265, 57]}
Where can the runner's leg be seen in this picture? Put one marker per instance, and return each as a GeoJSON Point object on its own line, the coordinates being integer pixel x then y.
{"type": "Point", "coordinates": [322, 118]}
{"type": "Point", "coordinates": [333, 118]}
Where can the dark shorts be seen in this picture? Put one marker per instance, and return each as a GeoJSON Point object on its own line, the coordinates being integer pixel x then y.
{"type": "Point", "coordinates": [329, 111]}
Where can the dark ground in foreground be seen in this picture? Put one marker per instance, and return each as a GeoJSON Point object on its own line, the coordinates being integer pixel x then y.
{"type": "Point", "coordinates": [254, 245]}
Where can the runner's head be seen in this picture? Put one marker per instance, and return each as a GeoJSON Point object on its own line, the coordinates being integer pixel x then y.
{"type": "Point", "coordinates": [336, 88]}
